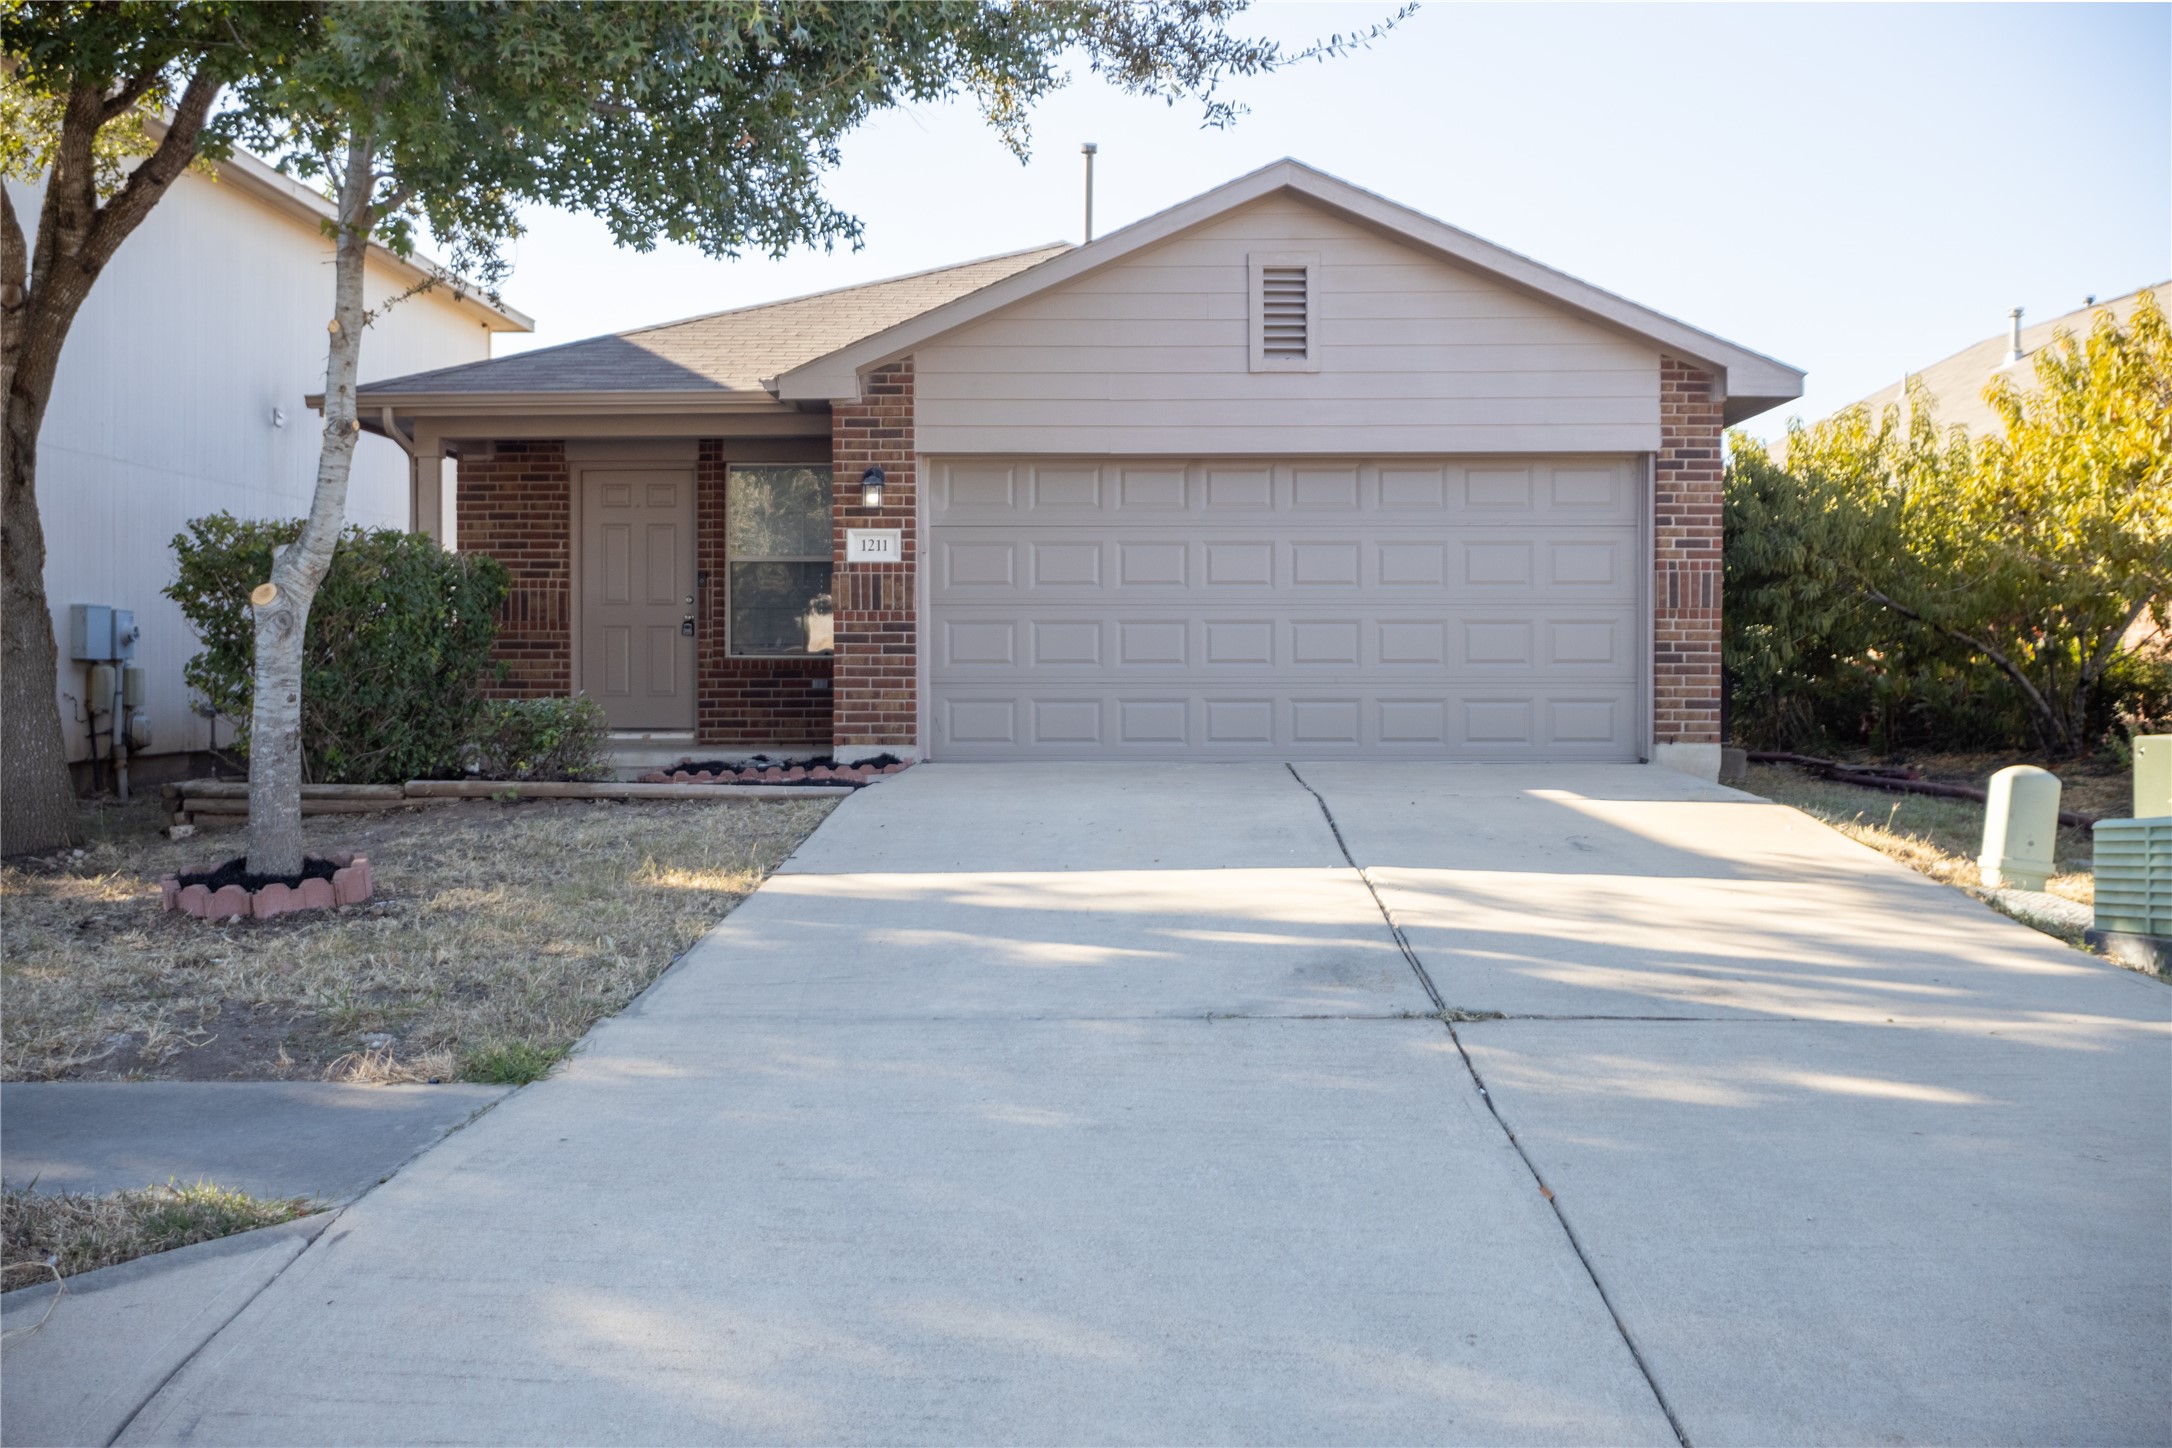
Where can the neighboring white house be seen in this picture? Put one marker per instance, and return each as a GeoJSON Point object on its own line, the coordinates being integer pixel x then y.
{"type": "Point", "coordinates": [181, 393]}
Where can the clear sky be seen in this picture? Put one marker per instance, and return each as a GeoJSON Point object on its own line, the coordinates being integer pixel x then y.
{"type": "Point", "coordinates": [1857, 190]}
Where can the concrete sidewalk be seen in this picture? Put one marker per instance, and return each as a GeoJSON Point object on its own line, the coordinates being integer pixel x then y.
{"type": "Point", "coordinates": [1099, 1104]}
{"type": "Point", "coordinates": [268, 1138]}
{"type": "Point", "coordinates": [77, 1369]}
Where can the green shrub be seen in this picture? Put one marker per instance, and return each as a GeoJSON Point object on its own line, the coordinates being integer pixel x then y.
{"type": "Point", "coordinates": [542, 739]}
{"type": "Point", "coordinates": [396, 654]}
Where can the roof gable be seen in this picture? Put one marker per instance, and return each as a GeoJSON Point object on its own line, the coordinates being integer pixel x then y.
{"type": "Point", "coordinates": [1753, 382]}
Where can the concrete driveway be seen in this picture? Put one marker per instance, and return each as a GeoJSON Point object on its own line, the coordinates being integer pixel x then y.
{"type": "Point", "coordinates": [1103, 1104]}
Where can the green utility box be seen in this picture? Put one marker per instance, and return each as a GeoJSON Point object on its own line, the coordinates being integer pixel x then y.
{"type": "Point", "coordinates": [2134, 891]}
{"type": "Point", "coordinates": [2152, 776]}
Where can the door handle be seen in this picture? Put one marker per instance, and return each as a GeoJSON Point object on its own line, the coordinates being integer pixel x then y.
{"type": "Point", "coordinates": [686, 626]}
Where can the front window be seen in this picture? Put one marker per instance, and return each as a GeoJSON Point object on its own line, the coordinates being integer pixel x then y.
{"type": "Point", "coordinates": [777, 539]}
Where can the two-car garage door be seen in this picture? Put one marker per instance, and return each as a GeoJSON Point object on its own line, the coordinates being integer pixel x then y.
{"type": "Point", "coordinates": [1450, 608]}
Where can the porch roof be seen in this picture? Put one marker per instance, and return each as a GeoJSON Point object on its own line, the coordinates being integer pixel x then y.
{"type": "Point", "coordinates": [720, 357]}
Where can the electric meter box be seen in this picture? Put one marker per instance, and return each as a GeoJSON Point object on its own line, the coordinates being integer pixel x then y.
{"type": "Point", "coordinates": [98, 634]}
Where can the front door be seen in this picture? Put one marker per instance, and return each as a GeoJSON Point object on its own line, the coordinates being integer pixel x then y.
{"type": "Point", "coordinates": [637, 595]}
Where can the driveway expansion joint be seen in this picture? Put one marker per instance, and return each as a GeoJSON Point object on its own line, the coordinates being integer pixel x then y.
{"type": "Point", "coordinates": [1448, 1016]}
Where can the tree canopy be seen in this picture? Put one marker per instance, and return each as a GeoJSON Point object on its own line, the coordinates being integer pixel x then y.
{"type": "Point", "coordinates": [710, 123]}
{"type": "Point", "coordinates": [1887, 546]}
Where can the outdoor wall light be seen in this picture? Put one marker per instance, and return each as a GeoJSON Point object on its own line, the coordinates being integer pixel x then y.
{"type": "Point", "coordinates": [871, 489]}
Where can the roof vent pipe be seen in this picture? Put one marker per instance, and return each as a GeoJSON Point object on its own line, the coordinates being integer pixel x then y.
{"type": "Point", "coordinates": [1087, 149]}
{"type": "Point", "coordinates": [2013, 348]}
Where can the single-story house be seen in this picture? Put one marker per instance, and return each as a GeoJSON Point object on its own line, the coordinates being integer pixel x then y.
{"type": "Point", "coordinates": [1286, 471]}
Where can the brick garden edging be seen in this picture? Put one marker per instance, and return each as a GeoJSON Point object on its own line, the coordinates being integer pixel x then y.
{"type": "Point", "coordinates": [350, 885]}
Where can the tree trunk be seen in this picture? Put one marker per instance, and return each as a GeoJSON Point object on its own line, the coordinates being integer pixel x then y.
{"type": "Point", "coordinates": [40, 295]}
{"type": "Point", "coordinates": [37, 802]}
{"type": "Point", "coordinates": [282, 618]}
{"type": "Point", "coordinates": [37, 798]}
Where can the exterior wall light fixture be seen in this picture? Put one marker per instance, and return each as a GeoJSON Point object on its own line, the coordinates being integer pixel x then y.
{"type": "Point", "coordinates": [871, 489]}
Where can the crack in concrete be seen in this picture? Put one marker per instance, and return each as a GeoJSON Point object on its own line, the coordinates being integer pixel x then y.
{"type": "Point", "coordinates": [1448, 1017]}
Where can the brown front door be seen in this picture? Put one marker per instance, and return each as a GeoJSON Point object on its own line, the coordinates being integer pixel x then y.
{"type": "Point", "coordinates": [637, 595]}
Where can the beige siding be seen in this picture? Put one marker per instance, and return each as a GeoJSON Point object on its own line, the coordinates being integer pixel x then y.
{"type": "Point", "coordinates": [1416, 355]}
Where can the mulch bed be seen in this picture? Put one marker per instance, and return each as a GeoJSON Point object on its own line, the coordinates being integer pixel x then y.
{"type": "Point", "coordinates": [236, 872]}
{"type": "Point", "coordinates": [761, 769]}
{"type": "Point", "coordinates": [231, 891]}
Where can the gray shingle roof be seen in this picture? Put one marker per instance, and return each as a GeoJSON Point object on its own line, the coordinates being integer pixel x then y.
{"type": "Point", "coordinates": [1957, 383]}
{"type": "Point", "coordinates": [723, 352]}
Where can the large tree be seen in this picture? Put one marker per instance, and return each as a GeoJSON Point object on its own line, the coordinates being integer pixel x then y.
{"type": "Point", "coordinates": [710, 123]}
{"type": "Point", "coordinates": [78, 84]}
{"type": "Point", "coordinates": [2026, 556]}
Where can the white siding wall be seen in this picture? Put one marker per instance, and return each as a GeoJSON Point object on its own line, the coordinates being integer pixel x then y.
{"type": "Point", "coordinates": [1416, 355]}
{"type": "Point", "coordinates": [210, 316]}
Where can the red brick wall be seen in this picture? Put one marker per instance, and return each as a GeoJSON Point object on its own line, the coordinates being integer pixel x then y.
{"type": "Point", "coordinates": [1686, 556]}
{"type": "Point", "coordinates": [744, 701]}
{"type": "Point", "coordinates": [877, 622]}
{"type": "Point", "coordinates": [517, 506]}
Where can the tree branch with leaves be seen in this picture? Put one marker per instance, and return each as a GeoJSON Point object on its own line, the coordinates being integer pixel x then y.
{"type": "Point", "coordinates": [107, 104]}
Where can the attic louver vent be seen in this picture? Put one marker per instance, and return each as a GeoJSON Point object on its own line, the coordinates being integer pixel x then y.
{"type": "Point", "coordinates": [1282, 295]}
{"type": "Point", "coordinates": [1285, 312]}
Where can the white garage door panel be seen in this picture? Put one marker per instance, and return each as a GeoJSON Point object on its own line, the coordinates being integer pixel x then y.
{"type": "Point", "coordinates": [995, 645]}
{"type": "Point", "coordinates": [1452, 608]}
{"type": "Point", "coordinates": [1195, 559]}
{"type": "Point", "coordinates": [1283, 723]}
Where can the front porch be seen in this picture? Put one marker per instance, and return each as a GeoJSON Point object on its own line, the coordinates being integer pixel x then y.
{"type": "Point", "coordinates": [687, 572]}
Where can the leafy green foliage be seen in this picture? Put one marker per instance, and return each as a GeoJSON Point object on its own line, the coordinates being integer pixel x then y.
{"type": "Point", "coordinates": [394, 659]}
{"type": "Point", "coordinates": [708, 122]}
{"type": "Point", "coordinates": [1924, 580]}
{"type": "Point", "coordinates": [524, 739]}
{"type": "Point", "coordinates": [131, 59]}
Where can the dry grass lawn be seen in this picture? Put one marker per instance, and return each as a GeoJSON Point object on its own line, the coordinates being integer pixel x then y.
{"type": "Point", "coordinates": [1939, 837]}
{"type": "Point", "coordinates": [67, 1233]}
{"type": "Point", "coordinates": [500, 933]}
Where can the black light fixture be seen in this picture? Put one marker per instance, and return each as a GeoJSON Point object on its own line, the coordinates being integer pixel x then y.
{"type": "Point", "coordinates": [871, 489]}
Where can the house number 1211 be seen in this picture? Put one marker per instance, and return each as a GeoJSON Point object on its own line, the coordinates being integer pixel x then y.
{"type": "Point", "coordinates": [874, 545]}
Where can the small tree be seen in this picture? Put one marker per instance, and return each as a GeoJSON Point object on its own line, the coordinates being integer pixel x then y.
{"type": "Point", "coordinates": [709, 123]}
{"type": "Point", "coordinates": [77, 83]}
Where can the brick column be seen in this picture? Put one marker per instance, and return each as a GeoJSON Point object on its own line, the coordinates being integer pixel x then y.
{"type": "Point", "coordinates": [876, 670]}
{"type": "Point", "coordinates": [517, 506]}
{"type": "Point", "coordinates": [744, 701]}
{"type": "Point", "coordinates": [1686, 559]}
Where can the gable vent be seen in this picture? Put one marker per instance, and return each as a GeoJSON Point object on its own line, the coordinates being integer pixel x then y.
{"type": "Point", "coordinates": [1285, 287]}
{"type": "Point", "coordinates": [1284, 308]}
